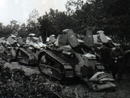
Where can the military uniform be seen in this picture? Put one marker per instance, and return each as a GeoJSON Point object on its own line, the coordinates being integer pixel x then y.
{"type": "Point", "coordinates": [117, 63]}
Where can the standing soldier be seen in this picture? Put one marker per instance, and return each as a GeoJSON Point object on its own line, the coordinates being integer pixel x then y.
{"type": "Point", "coordinates": [117, 63]}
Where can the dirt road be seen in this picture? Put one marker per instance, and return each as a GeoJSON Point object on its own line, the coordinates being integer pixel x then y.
{"type": "Point", "coordinates": [27, 69]}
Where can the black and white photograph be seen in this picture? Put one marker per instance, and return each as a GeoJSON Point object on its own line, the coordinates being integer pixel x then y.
{"type": "Point", "coordinates": [64, 48]}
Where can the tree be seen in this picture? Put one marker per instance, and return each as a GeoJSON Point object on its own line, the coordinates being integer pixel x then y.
{"type": "Point", "coordinates": [111, 16]}
{"type": "Point", "coordinates": [13, 22]}
{"type": "Point", "coordinates": [23, 31]}
{"type": "Point", "coordinates": [14, 25]}
{"type": "Point", "coordinates": [45, 26]}
{"type": "Point", "coordinates": [72, 6]}
{"type": "Point", "coordinates": [32, 21]}
{"type": "Point", "coordinates": [54, 22]}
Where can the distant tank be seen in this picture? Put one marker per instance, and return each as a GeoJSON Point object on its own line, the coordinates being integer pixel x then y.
{"type": "Point", "coordinates": [104, 45]}
{"type": "Point", "coordinates": [10, 47]}
{"type": "Point", "coordinates": [28, 54]}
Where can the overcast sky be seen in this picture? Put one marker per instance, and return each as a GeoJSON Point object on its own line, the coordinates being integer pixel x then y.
{"type": "Point", "coordinates": [19, 10]}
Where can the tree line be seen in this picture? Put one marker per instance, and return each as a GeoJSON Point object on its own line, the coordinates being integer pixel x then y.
{"type": "Point", "coordinates": [112, 16]}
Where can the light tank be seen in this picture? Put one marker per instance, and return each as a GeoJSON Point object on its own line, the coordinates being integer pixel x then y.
{"type": "Point", "coordinates": [67, 58]}
{"type": "Point", "coordinates": [28, 54]}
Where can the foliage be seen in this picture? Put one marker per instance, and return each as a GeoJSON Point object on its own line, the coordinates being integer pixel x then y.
{"type": "Point", "coordinates": [23, 29]}
{"type": "Point", "coordinates": [14, 83]}
{"type": "Point", "coordinates": [32, 25]}
{"type": "Point", "coordinates": [53, 23]}
{"type": "Point", "coordinates": [111, 16]}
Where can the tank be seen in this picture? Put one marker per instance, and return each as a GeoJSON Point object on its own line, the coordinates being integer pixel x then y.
{"type": "Point", "coordinates": [28, 54]}
{"type": "Point", "coordinates": [67, 58]}
{"type": "Point", "coordinates": [104, 45]}
{"type": "Point", "coordinates": [10, 47]}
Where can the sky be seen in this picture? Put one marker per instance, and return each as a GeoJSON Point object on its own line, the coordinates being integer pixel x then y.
{"type": "Point", "coordinates": [19, 10]}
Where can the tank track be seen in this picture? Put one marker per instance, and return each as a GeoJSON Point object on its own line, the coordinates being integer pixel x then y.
{"type": "Point", "coordinates": [26, 57]}
{"type": "Point", "coordinates": [62, 71]}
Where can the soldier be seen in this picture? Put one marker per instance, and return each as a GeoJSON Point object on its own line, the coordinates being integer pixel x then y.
{"type": "Point", "coordinates": [117, 63]}
{"type": "Point", "coordinates": [105, 57]}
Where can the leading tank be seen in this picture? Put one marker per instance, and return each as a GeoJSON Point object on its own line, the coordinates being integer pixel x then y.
{"type": "Point", "coordinates": [67, 58]}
